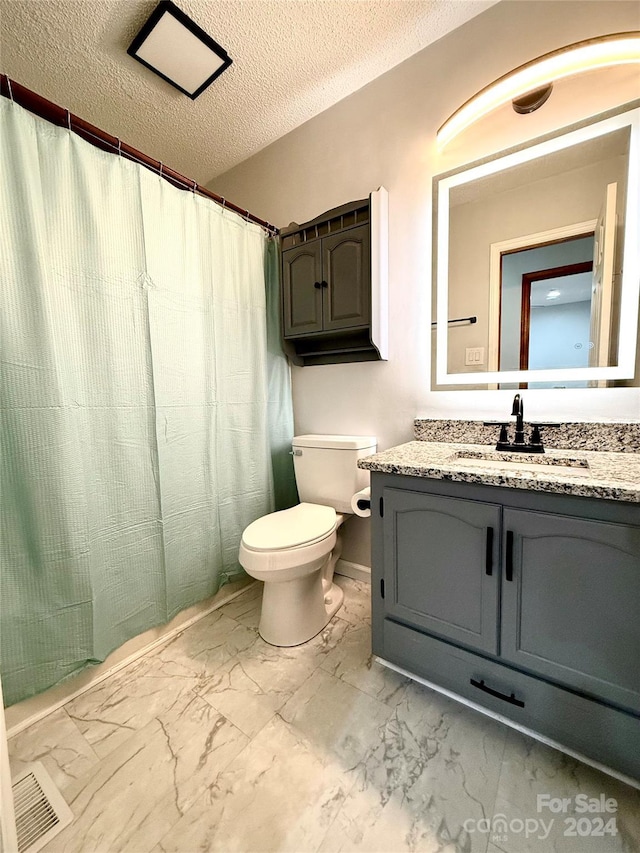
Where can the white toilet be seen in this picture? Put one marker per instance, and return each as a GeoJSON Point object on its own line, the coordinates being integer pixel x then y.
{"type": "Point", "coordinates": [294, 551]}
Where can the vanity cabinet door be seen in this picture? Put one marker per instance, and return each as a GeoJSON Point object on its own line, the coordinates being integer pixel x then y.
{"type": "Point", "coordinates": [441, 566]}
{"type": "Point", "coordinates": [571, 602]}
{"type": "Point", "coordinates": [346, 268]}
{"type": "Point", "coordinates": [301, 289]}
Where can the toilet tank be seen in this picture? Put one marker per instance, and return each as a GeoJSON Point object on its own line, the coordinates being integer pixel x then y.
{"type": "Point", "coordinates": [326, 468]}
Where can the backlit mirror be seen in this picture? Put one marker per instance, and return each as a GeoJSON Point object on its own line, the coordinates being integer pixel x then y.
{"type": "Point", "coordinates": [537, 259]}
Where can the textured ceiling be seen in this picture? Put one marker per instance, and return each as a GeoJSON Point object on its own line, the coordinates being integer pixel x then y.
{"type": "Point", "coordinates": [291, 60]}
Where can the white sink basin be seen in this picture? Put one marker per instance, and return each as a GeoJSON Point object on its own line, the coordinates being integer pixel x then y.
{"type": "Point", "coordinates": [573, 465]}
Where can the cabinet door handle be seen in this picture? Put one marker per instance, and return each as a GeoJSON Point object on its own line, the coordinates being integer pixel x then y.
{"type": "Point", "coordinates": [510, 699]}
{"type": "Point", "coordinates": [324, 284]}
{"type": "Point", "coordinates": [318, 285]}
{"type": "Point", "coordinates": [489, 552]}
{"type": "Point", "coordinates": [509, 556]}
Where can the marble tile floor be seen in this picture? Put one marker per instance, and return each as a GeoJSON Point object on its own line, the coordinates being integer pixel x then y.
{"type": "Point", "coordinates": [217, 741]}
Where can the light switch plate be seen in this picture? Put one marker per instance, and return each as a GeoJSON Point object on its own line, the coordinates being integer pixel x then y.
{"type": "Point", "coordinates": [474, 356]}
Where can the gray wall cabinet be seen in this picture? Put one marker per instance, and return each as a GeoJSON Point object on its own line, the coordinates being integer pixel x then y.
{"type": "Point", "coordinates": [526, 603]}
{"type": "Point", "coordinates": [327, 284]}
{"type": "Point", "coordinates": [301, 297]}
{"type": "Point", "coordinates": [347, 270]}
{"type": "Point", "coordinates": [333, 306]}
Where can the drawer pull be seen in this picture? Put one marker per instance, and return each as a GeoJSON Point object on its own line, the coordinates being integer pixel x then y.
{"type": "Point", "coordinates": [510, 699]}
{"type": "Point", "coordinates": [509, 556]}
{"type": "Point", "coordinates": [489, 552]}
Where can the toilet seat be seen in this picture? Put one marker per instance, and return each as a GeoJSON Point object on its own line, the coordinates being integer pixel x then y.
{"type": "Point", "coordinates": [298, 527]}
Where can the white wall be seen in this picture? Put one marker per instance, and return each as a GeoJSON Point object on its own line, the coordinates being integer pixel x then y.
{"type": "Point", "coordinates": [384, 134]}
{"type": "Point", "coordinates": [555, 331]}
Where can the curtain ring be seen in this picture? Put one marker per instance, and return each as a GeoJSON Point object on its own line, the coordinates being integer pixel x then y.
{"type": "Point", "coordinates": [69, 120]}
{"type": "Point", "coordinates": [195, 187]}
{"type": "Point", "coordinates": [160, 169]}
{"type": "Point", "coordinates": [119, 148]}
{"type": "Point", "coordinates": [10, 89]}
{"type": "Point", "coordinates": [223, 204]}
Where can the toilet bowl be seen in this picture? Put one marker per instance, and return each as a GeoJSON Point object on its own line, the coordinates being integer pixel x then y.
{"type": "Point", "coordinates": [294, 552]}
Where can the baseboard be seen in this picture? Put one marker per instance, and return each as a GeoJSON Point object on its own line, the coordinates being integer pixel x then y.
{"type": "Point", "coordinates": [353, 570]}
{"type": "Point", "coordinates": [24, 714]}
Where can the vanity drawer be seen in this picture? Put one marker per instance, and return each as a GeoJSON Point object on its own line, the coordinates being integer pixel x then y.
{"type": "Point", "coordinates": [600, 732]}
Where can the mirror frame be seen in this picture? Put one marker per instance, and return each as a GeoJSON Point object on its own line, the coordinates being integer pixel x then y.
{"type": "Point", "coordinates": [627, 115]}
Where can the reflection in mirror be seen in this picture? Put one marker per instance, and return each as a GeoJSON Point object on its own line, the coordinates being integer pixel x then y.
{"type": "Point", "coordinates": [546, 309]}
{"type": "Point", "coordinates": [533, 245]}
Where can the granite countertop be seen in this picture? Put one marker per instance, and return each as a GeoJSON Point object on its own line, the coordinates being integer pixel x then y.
{"type": "Point", "coordinates": [584, 473]}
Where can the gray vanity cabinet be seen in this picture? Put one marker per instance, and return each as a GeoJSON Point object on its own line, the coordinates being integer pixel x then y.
{"type": "Point", "coordinates": [441, 561]}
{"type": "Point", "coordinates": [525, 603]}
{"type": "Point", "coordinates": [571, 602]}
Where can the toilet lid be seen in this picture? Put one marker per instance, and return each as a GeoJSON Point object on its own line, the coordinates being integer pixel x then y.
{"type": "Point", "coordinates": [290, 528]}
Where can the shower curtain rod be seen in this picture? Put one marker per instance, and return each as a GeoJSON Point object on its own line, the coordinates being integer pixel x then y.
{"type": "Point", "coordinates": [101, 139]}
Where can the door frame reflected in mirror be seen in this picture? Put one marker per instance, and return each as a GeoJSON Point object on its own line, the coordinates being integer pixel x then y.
{"type": "Point", "coordinates": [508, 247]}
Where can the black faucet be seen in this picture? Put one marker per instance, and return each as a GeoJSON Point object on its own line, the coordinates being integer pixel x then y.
{"type": "Point", "coordinates": [518, 445]}
{"type": "Point", "coordinates": [517, 410]}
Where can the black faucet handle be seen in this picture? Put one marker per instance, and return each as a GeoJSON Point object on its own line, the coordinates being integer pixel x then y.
{"type": "Point", "coordinates": [535, 435]}
{"type": "Point", "coordinates": [504, 436]}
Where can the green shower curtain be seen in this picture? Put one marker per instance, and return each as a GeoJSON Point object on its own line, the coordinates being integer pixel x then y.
{"type": "Point", "coordinates": [145, 403]}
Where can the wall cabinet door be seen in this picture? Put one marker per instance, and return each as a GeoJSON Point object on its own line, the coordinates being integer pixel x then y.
{"type": "Point", "coordinates": [302, 293]}
{"type": "Point", "coordinates": [441, 566]}
{"type": "Point", "coordinates": [346, 269]}
{"type": "Point", "coordinates": [571, 602]}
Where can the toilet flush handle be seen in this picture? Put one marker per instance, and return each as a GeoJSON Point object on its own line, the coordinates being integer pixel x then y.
{"type": "Point", "coordinates": [295, 452]}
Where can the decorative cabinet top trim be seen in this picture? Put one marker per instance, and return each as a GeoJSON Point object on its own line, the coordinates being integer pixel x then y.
{"type": "Point", "coordinates": [337, 219]}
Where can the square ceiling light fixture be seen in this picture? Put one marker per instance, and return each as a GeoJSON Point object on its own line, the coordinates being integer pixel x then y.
{"type": "Point", "coordinates": [178, 50]}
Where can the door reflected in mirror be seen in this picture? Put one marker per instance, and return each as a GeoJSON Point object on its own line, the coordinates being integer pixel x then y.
{"type": "Point", "coordinates": [546, 309]}
{"type": "Point", "coordinates": [541, 245]}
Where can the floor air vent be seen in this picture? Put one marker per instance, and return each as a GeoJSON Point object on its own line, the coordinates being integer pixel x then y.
{"type": "Point", "coordinates": [41, 811]}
